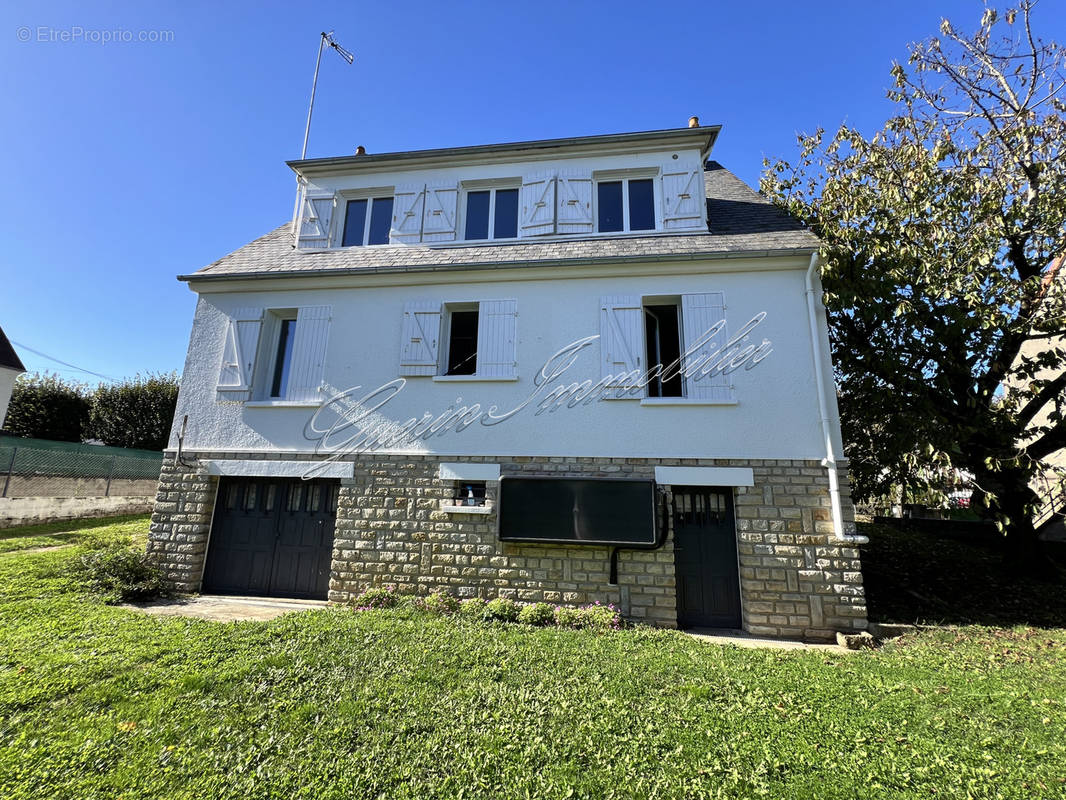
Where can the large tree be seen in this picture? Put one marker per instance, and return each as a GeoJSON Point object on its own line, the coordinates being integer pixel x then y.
{"type": "Point", "coordinates": [45, 406]}
{"type": "Point", "coordinates": [136, 412]}
{"type": "Point", "coordinates": [942, 266]}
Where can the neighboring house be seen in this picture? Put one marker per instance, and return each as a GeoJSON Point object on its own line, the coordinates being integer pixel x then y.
{"type": "Point", "coordinates": [10, 368]}
{"type": "Point", "coordinates": [455, 374]}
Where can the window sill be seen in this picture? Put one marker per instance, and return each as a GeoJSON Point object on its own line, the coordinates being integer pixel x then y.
{"type": "Point", "coordinates": [684, 401]}
{"type": "Point", "coordinates": [467, 509]}
{"type": "Point", "coordinates": [471, 378]}
{"type": "Point", "coordinates": [282, 404]}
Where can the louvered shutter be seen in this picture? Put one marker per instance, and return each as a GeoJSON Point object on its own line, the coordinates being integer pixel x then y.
{"type": "Point", "coordinates": [407, 206]}
{"type": "Point", "coordinates": [537, 205]}
{"type": "Point", "coordinates": [439, 224]}
{"type": "Point", "coordinates": [309, 353]}
{"type": "Point", "coordinates": [238, 354]}
{"type": "Point", "coordinates": [575, 203]}
{"type": "Point", "coordinates": [699, 312]}
{"type": "Point", "coordinates": [315, 221]}
{"type": "Point", "coordinates": [496, 355]}
{"type": "Point", "coordinates": [418, 347]}
{"type": "Point", "coordinates": [683, 203]}
{"type": "Point", "coordinates": [621, 338]}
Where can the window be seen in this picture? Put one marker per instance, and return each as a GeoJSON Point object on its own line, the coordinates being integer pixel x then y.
{"type": "Point", "coordinates": [282, 367]}
{"type": "Point", "coordinates": [469, 493]}
{"type": "Point", "coordinates": [461, 356]}
{"type": "Point", "coordinates": [492, 214]}
{"type": "Point", "coordinates": [662, 347]}
{"type": "Point", "coordinates": [626, 205]}
{"type": "Point", "coordinates": [367, 221]}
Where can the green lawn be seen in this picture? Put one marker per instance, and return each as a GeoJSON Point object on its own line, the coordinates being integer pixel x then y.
{"type": "Point", "coordinates": [101, 702]}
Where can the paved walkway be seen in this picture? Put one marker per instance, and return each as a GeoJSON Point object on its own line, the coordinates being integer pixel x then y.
{"type": "Point", "coordinates": [225, 608]}
{"type": "Point", "coordinates": [742, 639]}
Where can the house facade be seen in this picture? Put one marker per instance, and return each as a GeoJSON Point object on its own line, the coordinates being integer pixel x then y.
{"type": "Point", "coordinates": [572, 370]}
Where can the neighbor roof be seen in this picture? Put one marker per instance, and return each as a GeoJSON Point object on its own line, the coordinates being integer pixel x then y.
{"type": "Point", "coordinates": [8, 357]}
{"type": "Point", "coordinates": [741, 222]}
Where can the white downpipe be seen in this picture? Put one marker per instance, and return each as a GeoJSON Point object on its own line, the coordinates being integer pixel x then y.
{"type": "Point", "coordinates": [829, 462]}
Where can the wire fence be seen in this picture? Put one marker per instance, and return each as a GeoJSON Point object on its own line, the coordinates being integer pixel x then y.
{"type": "Point", "coordinates": [35, 468]}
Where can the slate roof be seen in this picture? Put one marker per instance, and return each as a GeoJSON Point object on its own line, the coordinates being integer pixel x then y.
{"type": "Point", "coordinates": [8, 357]}
{"type": "Point", "coordinates": [741, 222]}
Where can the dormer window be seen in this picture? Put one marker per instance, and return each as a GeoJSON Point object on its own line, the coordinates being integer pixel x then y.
{"type": "Point", "coordinates": [625, 205]}
{"type": "Point", "coordinates": [367, 221]}
{"type": "Point", "coordinates": [492, 213]}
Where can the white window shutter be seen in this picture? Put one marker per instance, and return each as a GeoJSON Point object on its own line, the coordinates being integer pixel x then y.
{"type": "Point", "coordinates": [441, 202]}
{"type": "Point", "coordinates": [575, 203]}
{"type": "Point", "coordinates": [239, 353]}
{"type": "Point", "coordinates": [683, 199]}
{"type": "Point", "coordinates": [309, 353]}
{"type": "Point", "coordinates": [496, 340]}
{"type": "Point", "coordinates": [315, 222]}
{"type": "Point", "coordinates": [699, 313]}
{"type": "Point", "coordinates": [621, 337]}
{"type": "Point", "coordinates": [537, 205]}
{"type": "Point", "coordinates": [418, 347]}
{"type": "Point", "coordinates": [407, 206]}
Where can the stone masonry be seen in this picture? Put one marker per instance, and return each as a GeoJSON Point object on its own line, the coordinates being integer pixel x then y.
{"type": "Point", "coordinates": [391, 528]}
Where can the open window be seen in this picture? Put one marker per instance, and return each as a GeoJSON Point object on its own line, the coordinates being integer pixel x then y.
{"type": "Point", "coordinates": [461, 339]}
{"type": "Point", "coordinates": [662, 348]}
{"type": "Point", "coordinates": [284, 323]}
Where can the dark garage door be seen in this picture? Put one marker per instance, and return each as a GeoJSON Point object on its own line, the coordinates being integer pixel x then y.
{"type": "Point", "coordinates": [272, 537]}
{"type": "Point", "coordinates": [705, 558]}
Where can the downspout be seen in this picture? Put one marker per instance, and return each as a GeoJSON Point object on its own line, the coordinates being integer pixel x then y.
{"type": "Point", "coordinates": [829, 462]}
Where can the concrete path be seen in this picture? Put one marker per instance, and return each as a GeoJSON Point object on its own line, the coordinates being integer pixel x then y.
{"type": "Point", "coordinates": [225, 608]}
{"type": "Point", "coordinates": [742, 639]}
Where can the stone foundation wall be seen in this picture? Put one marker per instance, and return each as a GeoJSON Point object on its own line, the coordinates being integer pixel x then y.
{"type": "Point", "coordinates": [391, 529]}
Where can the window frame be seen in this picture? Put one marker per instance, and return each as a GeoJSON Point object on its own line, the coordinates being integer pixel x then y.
{"type": "Point", "coordinates": [275, 318]}
{"type": "Point", "coordinates": [624, 176]}
{"type": "Point", "coordinates": [370, 195]}
{"type": "Point", "coordinates": [659, 301]}
{"type": "Point", "coordinates": [445, 341]}
{"type": "Point", "coordinates": [491, 185]}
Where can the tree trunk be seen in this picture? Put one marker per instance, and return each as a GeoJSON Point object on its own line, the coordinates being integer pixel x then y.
{"type": "Point", "coordinates": [1011, 497]}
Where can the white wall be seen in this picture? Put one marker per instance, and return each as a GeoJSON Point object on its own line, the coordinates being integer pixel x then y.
{"type": "Point", "coordinates": [776, 415]}
{"type": "Point", "coordinates": [7, 383]}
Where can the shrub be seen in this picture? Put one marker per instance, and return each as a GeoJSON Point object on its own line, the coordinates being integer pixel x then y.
{"type": "Point", "coordinates": [441, 603]}
{"type": "Point", "coordinates": [377, 597]}
{"type": "Point", "coordinates": [567, 617]}
{"type": "Point", "coordinates": [473, 608]}
{"type": "Point", "coordinates": [118, 574]}
{"type": "Point", "coordinates": [600, 617]}
{"type": "Point", "coordinates": [48, 407]}
{"type": "Point", "coordinates": [536, 614]}
{"type": "Point", "coordinates": [137, 412]}
{"type": "Point", "coordinates": [502, 609]}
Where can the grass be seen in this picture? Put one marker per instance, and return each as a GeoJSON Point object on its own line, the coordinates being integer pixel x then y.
{"type": "Point", "coordinates": [912, 576]}
{"type": "Point", "coordinates": [102, 702]}
{"type": "Point", "coordinates": [76, 531]}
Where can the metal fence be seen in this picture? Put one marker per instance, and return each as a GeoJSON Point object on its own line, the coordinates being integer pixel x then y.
{"type": "Point", "coordinates": [37, 468]}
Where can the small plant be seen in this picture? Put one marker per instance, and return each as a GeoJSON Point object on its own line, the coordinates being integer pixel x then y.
{"type": "Point", "coordinates": [441, 603]}
{"type": "Point", "coordinates": [377, 597]}
{"type": "Point", "coordinates": [502, 609]}
{"type": "Point", "coordinates": [567, 617]}
{"type": "Point", "coordinates": [472, 608]}
{"type": "Point", "coordinates": [537, 614]}
{"type": "Point", "coordinates": [600, 617]}
{"type": "Point", "coordinates": [118, 574]}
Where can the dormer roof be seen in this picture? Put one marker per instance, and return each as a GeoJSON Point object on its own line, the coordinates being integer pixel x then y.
{"type": "Point", "coordinates": [9, 359]}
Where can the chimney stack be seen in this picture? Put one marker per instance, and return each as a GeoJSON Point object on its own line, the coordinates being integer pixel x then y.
{"type": "Point", "coordinates": [360, 151]}
{"type": "Point", "coordinates": [693, 122]}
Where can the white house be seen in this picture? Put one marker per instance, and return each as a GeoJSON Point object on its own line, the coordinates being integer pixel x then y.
{"type": "Point", "coordinates": [10, 368]}
{"type": "Point", "coordinates": [570, 370]}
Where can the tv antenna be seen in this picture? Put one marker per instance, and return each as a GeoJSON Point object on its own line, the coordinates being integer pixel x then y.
{"type": "Point", "coordinates": [324, 39]}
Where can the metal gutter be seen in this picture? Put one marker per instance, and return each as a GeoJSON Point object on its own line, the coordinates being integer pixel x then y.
{"type": "Point", "coordinates": [460, 267]}
{"type": "Point", "coordinates": [705, 135]}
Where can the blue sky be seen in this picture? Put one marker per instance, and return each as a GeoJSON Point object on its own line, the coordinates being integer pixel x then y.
{"type": "Point", "coordinates": [128, 163]}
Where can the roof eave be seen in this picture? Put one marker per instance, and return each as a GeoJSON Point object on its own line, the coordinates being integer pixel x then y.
{"type": "Point", "coordinates": [704, 137]}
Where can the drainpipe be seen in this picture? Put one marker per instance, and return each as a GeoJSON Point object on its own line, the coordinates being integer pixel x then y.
{"type": "Point", "coordinates": [829, 462]}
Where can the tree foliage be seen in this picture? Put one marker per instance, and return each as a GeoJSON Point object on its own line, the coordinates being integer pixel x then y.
{"type": "Point", "coordinates": [942, 265]}
{"type": "Point", "coordinates": [45, 406]}
{"type": "Point", "coordinates": [136, 412]}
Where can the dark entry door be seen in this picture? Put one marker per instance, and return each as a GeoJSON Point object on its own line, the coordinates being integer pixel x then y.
{"type": "Point", "coordinates": [705, 558]}
{"type": "Point", "coordinates": [272, 537]}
